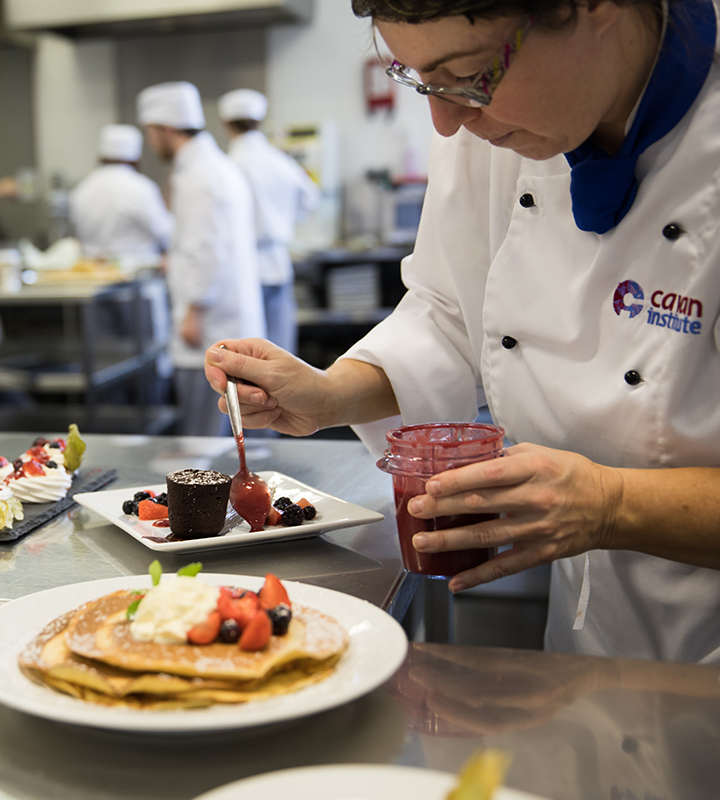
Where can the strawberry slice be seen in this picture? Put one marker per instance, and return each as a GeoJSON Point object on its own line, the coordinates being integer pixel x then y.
{"type": "Point", "coordinates": [257, 633]}
{"type": "Point", "coordinates": [206, 631]}
{"type": "Point", "coordinates": [34, 468]}
{"type": "Point", "coordinates": [273, 592]}
{"type": "Point", "coordinates": [149, 509]}
{"type": "Point", "coordinates": [242, 609]}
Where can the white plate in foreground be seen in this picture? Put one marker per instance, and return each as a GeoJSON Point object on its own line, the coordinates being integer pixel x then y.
{"type": "Point", "coordinates": [349, 782]}
{"type": "Point", "coordinates": [332, 514]}
{"type": "Point", "coordinates": [377, 648]}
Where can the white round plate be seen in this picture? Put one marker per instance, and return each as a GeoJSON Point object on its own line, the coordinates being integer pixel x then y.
{"type": "Point", "coordinates": [349, 782]}
{"type": "Point", "coordinates": [377, 648]}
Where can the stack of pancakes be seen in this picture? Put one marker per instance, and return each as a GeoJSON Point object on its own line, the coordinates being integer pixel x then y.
{"type": "Point", "coordinates": [90, 654]}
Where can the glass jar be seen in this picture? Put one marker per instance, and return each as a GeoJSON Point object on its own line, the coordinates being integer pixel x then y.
{"type": "Point", "coordinates": [417, 452]}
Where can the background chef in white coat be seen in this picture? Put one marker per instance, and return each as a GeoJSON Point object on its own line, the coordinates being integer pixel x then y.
{"type": "Point", "coordinates": [116, 211]}
{"type": "Point", "coordinates": [283, 195]}
{"type": "Point", "coordinates": [212, 263]}
{"type": "Point", "coordinates": [566, 273]}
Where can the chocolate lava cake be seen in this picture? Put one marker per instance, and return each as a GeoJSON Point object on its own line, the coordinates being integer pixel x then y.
{"type": "Point", "coordinates": [197, 502]}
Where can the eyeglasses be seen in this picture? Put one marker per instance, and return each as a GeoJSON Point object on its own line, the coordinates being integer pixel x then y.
{"type": "Point", "coordinates": [482, 86]}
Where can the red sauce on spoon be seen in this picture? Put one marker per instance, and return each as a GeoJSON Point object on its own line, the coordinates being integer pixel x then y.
{"type": "Point", "coordinates": [249, 494]}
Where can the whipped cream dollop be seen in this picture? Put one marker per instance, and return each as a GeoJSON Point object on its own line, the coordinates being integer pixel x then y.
{"type": "Point", "coordinates": [170, 609]}
{"type": "Point", "coordinates": [6, 470]}
{"type": "Point", "coordinates": [52, 485]}
{"type": "Point", "coordinates": [5, 493]}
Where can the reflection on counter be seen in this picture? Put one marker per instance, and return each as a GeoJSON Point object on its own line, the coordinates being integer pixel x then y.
{"type": "Point", "coordinates": [575, 726]}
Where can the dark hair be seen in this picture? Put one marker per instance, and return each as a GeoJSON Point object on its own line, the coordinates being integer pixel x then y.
{"type": "Point", "coordinates": [243, 125]}
{"type": "Point", "coordinates": [547, 13]}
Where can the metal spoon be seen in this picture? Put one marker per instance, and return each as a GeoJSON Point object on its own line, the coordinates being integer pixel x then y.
{"type": "Point", "coordinates": [249, 494]}
{"type": "Point", "coordinates": [233, 406]}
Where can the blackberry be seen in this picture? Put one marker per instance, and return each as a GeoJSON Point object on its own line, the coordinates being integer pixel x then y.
{"type": "Point", "coordinates": [128, 507]}
{"type": "Point", "coordinates": [282, 503]}
{"type": "Point", "coordinates": [54, 445]}
{"type": "Point", "coordinates": [280, 617]}
{"type": "Point", "coordinates": [138, 496]}
{"type": "Point", "coordinates": [161, 499]}
{"type": "Point", "coordinates": [309, 512]}
{"type": "Point", "coordinates": [51, 465]}
{"type": "Point", "coordinates": [293, 515]}
{"type": "Point", "coordinates": [229, 631]}
{"type": "Point", "coordinates": [41, 441]}
{"type": "Point", "coordinates": [18, 464]}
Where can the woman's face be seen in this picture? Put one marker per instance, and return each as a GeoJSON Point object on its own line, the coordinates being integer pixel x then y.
{"type": "Point", "coordinates": [562, 86]}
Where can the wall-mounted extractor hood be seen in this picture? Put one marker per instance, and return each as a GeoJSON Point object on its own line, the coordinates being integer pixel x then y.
{"type": "Point", "coordinates": [139, 17]}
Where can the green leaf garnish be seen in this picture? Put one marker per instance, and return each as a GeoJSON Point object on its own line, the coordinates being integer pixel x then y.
{"type": "Point", "coordinates": [74, 449]}
{"type": "Point", "coordinates": [155, 570]}
{"type": "Point", "coordinates": [190, 570]}
{"type": "Point", "coordinates": [132, 608]}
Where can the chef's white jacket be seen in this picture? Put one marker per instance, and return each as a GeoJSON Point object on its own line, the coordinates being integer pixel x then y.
{"type": "Point", "coordinates": [489, 266]}
{"type": "Point", "coordinates": [283, 195]}
{"type": "Point", "coordinates": [116, 211]}
{"type": "Point", "coordinates": [212, 259]}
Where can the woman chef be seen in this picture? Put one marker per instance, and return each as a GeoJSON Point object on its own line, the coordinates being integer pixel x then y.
{"type": "Point", "coordinates": [567, 272]}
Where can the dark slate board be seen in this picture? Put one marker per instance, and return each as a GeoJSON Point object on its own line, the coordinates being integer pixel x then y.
{"type": "Point", "coordinates": [37, 514]}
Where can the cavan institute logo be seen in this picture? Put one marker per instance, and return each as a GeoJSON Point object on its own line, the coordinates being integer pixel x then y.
{"type": "Point", "coordinates": [623, 290]}
{"type": "Point", "coordinates": [678, 309]}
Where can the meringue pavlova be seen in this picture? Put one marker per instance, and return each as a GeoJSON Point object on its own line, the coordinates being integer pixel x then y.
{"type": "Point", "coordinates": [10, 508]}
{"type": "Point", "coordinates": [44, 472]}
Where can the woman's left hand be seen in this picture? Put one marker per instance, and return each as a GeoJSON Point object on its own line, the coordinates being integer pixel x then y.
{"type": "Point", "coordinates": [555, 504]}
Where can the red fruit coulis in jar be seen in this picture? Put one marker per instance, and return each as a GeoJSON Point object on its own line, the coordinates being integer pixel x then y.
{"type": "Point", "coordinates": [446, 564]}
{"type": "Point", "coordinates": [249, 494]}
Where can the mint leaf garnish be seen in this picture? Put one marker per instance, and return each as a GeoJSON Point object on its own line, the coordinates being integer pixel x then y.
{"type": "Point", "coordinates": [190, 570]}
{"type": "Point", "coordinates": [155, 570]}
{"type": "Point", "coordinates": [132, 608]}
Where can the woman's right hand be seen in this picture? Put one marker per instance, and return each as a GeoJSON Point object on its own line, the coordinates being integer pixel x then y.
{"type": "Point", "coordinates": [290, 396]}
{"type": "Point", "coordinates": [280, 391]}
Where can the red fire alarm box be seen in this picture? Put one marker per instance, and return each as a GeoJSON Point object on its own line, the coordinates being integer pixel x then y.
{"type": "Point", "coordinates": [379, 87]}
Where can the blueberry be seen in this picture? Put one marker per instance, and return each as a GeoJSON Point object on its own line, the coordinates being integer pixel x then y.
{"type": "Point", "coordinates": [282, 503]}
{"type": "Point", "coordinates": [51, 465]}
{"type": "Point", "coordinates": [54, 445]}
{"type": "Point", "coordinates": [309, 512]}
{"type": "Point", "coordinates": [293, 515]}
{"type": "Point", "coordinates": [128, 507]}
{"type": "Point", "coordinates": [138, 496]}
{"type": "Point", "coordinates": [229, 631]}
{"type": "Point", "coordinates": [280, 617]}
{"type": "Point", "coordinates": [161, 499]}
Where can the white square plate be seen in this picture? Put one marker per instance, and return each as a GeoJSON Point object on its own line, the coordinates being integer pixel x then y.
{"type": "Point", "coordinates": [332, 514]}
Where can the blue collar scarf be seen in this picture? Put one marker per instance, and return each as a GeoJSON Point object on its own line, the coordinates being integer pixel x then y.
{"type": "Point", "coordinates": [603, 187]}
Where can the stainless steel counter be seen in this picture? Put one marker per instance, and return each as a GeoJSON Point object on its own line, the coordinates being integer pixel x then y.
{"type": "Point", "coordinates": [577, 728]}
{"type": "Point", "coordinates": [362, 561]}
